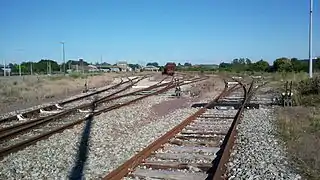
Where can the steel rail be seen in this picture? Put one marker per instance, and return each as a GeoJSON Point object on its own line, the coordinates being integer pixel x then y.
{"type": "Point", "coordinates": [11, 131]}
{"type": "Point", "coordinates": [32, 123]}
{"type": "Point", "coordinates": [137, 159]}
{"type": "Point", "coordinates": [29, 123]}
{"type": "Point", "coordinates": [217, 173]}
{"type": "Point", "coordinates": [29, 113]}
{"type": "Point", "coordinates": [32, 140]}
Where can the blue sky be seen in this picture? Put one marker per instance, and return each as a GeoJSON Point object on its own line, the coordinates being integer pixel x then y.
{"type": "Point", "coordinates": [140, 31]}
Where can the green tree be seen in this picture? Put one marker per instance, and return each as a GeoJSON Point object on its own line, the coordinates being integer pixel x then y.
{"type": "Point", "coordinates": [282, 65]}
{"type": "Point", "coordinates": [43, 64]}
{"type": "Point", "coordinates": [187, 64]}
{"type": "Point", "coordinates": [153, 64]}
{"type": "Point", "coordinates": [259, 66]}
{"type": "Point", "coordinates": [134, 66]}
{"type": "Point", "coordinates": [240, 64]}
{"type": "Point", "coordinates": [298, 65]}
{"type": "Point", "coordinates": [317, 63]}
{"type": "Point", "coordinates": [248, 61]}
{"type": "Point", "coordinates": [225, 66]}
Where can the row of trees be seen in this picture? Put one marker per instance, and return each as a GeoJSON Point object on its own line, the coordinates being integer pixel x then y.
{"type": "Point", "coordinates": [51, 66]}
{"type": "Point", "coordinates": [282, 64]}
{"type": "Point", "coordinates": [42, 66]}
{"type": "Point", "coordinates": [237, 65]}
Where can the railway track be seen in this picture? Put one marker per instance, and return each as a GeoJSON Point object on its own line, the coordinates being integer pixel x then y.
{"type": "Point", "coordinates": [64, 104]}
{"type": "Point", "coordinates": [18, 136]}
{"type": "Point", "coordinates": [197, 148]}
{"type": "Point", "coordinates": [71, 106]}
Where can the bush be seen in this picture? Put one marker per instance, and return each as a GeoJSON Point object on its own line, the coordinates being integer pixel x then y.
{"type": "Point", "coordinates": [308, 92]}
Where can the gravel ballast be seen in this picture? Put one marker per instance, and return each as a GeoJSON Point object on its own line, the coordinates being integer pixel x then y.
{"type": "Point", "coordinates": [258, 153]}
{"type": "Point", "coordinates": [114, 137]}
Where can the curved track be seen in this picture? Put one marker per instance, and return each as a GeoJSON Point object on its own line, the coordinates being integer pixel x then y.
{"type": "Point", "coordinates": [36, 112]}
{"type": "Point", "coordinates": [18, 136]}
{"type": "Point", "coordinates": [195, 149]}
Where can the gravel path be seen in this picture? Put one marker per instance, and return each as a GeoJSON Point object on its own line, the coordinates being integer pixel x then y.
{"type": "Point", "coordinates": [258, 154]}
{"type": "Point", "coordinates": [114, 137]}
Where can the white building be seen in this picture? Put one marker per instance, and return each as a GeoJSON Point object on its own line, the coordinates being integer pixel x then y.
{"type": "Point", "coordinates": [151, 68]}
{"type": "Point", "coordinates": [123, 65]}
{"type": "Point", "coordinates": [6, 71]}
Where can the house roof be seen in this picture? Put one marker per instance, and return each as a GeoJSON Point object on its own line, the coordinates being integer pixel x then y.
{"type": "Point", "coordinates": [122, 62]}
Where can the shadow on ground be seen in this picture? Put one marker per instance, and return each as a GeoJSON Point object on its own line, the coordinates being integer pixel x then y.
{"type": "Point", "coordinates": [77, 170]}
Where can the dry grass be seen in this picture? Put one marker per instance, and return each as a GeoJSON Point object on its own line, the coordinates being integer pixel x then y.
{"type": "Point", "coordinates": [299, 127]}
{"type": "Point", "coordinates": [18, 92]}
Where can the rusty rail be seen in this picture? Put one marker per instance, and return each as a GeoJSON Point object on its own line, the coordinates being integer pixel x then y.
{"type": "Point", "coordinates": [32, 140]}
{"type": "Point", "coordinates": [31, 123]}
{"type": "Point", "coordinates": [133, 162]}
{"type": "Point", "coordinates": [230, 138]}
{"type": "Point", "coordinates": [20, 127]}
{"type": "Point", "coordinates": [36, 111]}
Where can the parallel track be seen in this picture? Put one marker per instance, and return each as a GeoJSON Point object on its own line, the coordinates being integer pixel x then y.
{"type": "Point", "coordinates": [195, 149]}
{"type": "Point", "coordinates": [36, 112]}
{"type": "Point", "coordinates": [27, 127]}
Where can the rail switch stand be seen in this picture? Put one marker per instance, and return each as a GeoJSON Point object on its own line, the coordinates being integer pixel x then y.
{"type": "Point", "coordinates": [178, 88]}
{"type": "Point", "coordinates": [85, 87]}
{"type": "Point", "coordinates": [287, 95]}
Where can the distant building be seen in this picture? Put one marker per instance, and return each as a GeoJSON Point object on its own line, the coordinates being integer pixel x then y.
{"type": "Point", "coordinates": [151, 68]}
{"type": "Point", "coordinates": [92, 68]}
{"type": "Point", "coordinates": [123, 65]}
{"type": "Point", "coordinates": [115, 69]}
{"type": "Point", "coordinates": [79, 68]}
{"type": "Point", "coordinates": [4, 70]}
{"type": "Point", "coordinates": [210, 66]}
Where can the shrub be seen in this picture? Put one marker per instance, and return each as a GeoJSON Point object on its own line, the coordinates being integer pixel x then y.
{"type": "Point", "coordinates": [308, 92]}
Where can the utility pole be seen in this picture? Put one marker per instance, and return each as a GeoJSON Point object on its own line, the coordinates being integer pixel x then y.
{"type": "Point", "coordinates": [64, 58]}
{"type": "Point", "coordinates": [20, 69]}
{"type": "Point", "coordinates": [50, 67]}
{"type": "Point", "coordinates": [82, 67]}
{"type": "Point", "coordinates": [19, 66]}
{"type": "Point", "coordinates": [100, 63]}
{"type": "Point", "coordinates": [4, 69]}
{"type": "Point", "coordinates": [31, 68]}
{"type": "Point", "coordinates": [310, 40]}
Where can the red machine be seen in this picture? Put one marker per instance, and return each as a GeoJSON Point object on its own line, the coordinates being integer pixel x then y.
{"type": "Point", "coordinates": [169, 69]}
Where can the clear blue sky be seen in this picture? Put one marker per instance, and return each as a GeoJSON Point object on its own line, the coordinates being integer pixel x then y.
{"type": "Point", "coordinates": [198, 31]}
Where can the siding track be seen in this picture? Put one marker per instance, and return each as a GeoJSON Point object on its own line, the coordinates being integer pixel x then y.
{"type": "Point", "coordinates": [18, 136]}
{"type": "Point", "coordinates": [197, 148]}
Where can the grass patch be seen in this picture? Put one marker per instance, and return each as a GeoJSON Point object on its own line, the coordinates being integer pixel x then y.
{"type": "Point", "coordinates": [76, 75]}
{"type": "Point", "coordinates": [56, 77]}
{"type": "Point", "coordinates": [299, 127]}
